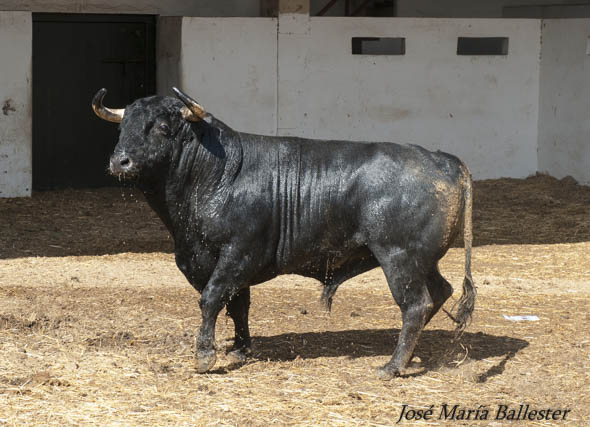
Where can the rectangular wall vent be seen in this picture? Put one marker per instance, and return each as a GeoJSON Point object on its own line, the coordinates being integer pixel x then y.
{"type": "Point", "coordinates": [482, 46]}
{"type": "Point", "coordinates": [378, 46]}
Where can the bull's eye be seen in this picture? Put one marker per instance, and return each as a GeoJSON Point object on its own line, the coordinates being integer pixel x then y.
{"type": "Point", "coordinates": [164, 128]}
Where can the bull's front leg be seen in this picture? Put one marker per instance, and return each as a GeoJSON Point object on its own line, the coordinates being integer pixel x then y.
{"type": "Point", "coordinates": [224, 287]}
{"type": "Point", "coordinates": [211, 304]}
{"type": "Point", "coordinates": [216, 294]}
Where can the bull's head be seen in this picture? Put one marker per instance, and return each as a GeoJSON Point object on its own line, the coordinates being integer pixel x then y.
{"type": "Point", "coordinates": [150, 130]}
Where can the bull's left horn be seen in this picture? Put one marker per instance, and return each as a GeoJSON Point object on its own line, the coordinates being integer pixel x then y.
{"type": "Point", "coordinates": [111, 115]}
{"type": "Point", "coordinates": [193, 111]}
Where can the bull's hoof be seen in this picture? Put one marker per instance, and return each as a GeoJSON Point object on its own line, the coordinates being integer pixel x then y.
{"type": "Point", "coordinates": [239, 355]}
{"type": "Point", "coordinates": [386, 373]}
{"type": "Point", "coordinates": [205, 360]}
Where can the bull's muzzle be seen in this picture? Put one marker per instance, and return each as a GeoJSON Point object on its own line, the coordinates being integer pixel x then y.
{"type": "Point", "coordinates": [121, 164]}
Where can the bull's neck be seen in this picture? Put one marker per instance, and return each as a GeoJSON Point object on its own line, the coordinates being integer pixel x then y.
{"type": "Point", "coordinates": [199, 177]}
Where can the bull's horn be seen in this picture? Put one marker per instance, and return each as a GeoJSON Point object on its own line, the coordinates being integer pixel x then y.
{"type": "Point", "coordinates": [193, 112]}
{"type": "Point", "coordinates": [111, 115]}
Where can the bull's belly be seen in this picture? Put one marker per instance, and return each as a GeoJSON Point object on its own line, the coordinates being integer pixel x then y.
{"type": "Point", "coordinates": [331, 265]}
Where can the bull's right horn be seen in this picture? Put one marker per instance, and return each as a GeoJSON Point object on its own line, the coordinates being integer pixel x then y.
{"type": "Point", "coordinates": [108, 114]}
{"type": "Point", "coordinates": [193, 111]}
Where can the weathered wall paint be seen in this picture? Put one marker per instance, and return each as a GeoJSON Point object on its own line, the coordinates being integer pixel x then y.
{"type": "Point", "coordinates": [481, 108]}
{"type": "Point", "coordinates": [564, 123]}
{"type": "Point", "coordinates": [484, 109]}
{"type": "Point", "coordinates": [229, 65]}
{"type": "Point", "coordinates": [168, 51]}
{"type": "Point", "coordinates": [15, 104]}
{"type": "Point", "coordinates": [295, 75]}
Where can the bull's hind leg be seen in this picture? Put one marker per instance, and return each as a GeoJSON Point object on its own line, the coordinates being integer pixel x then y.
{"type": "Point", "coordinates": [408, 285]}
{"type": "Point", "coordinates": [440, 290]}
{"type": "Point", "coordinates": [237, 309]}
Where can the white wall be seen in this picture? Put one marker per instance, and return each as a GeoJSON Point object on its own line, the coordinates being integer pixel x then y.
{"type": "Point", "coordinates": [168, 50]}
{"type": "Point", "coordinates": [229, 65]}
{"type": "Point", "coordinates": [15, 104]}
{"type": "Point", "coordinates": [152, 7]}
{"type": "Point", "coordinates": [564, 117]}
{"type": "Point", "coordinates": [483, 109]}
{"type": "Point", "coordinates": [504, 115]}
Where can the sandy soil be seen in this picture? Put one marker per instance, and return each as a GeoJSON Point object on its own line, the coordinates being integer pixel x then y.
{"type": "Point", "coordinates": [97, 325]}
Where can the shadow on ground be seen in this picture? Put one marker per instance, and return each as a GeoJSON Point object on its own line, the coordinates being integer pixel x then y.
{"type": "Point", "coordinates": [435, 348]}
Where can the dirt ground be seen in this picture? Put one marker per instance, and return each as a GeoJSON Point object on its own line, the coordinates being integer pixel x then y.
{"type": "Point", "coordinates": [97, 325]}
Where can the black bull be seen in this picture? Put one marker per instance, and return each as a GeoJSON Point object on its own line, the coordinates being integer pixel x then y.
{"type": "Point", "coordinates": [245, 208]}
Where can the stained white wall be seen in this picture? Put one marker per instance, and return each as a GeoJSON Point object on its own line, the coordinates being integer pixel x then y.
{"type": "Point", "coordinates": [504, 115]}
{"type": "Point", "coordinates": [564, 117]}
{"type": "Point", "coordinates": [482, 108]}
{"type": "Point", "coordinates": [15, 104]}
{"type": "Point", "coordinates": [229, 65]}
{"type": "Point", "coordinates": [150, 7]}
{"type": "Point", "coordinates": [168, 50]}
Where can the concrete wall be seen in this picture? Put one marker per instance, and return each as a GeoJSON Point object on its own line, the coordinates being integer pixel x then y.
{"type": "Point", "coordinates": [15, 104]}
{"type": "Point", "coordinates": [150, 7]}
{"type": "Point", "coordinates": [230, 66]}
{"type": "Point", "coordinates": [295, 75]}
{"type": "Point", "coordinates": [168, 52]}
{"type": "Point", "coordinates": [564, 116]}
{"type": "Point", "coordinates": [482, 108]}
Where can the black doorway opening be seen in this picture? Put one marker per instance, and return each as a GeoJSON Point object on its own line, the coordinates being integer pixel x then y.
{"type": "Point", "coordinates": [74, 55]}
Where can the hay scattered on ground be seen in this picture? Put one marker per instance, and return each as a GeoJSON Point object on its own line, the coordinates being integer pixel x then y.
{"type": "Point", "coordinates": [97, 325]}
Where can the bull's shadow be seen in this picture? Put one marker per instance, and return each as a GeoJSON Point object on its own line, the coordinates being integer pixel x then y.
{"type": "Point", "coordinates": [435, 347]}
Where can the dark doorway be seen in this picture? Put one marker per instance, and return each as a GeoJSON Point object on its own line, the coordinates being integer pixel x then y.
{"type": "Point", "coordinates": [74, 55]}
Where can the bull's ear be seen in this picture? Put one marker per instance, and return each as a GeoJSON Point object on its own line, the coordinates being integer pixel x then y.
{"type": "Point", "coordinates": [193, 111]}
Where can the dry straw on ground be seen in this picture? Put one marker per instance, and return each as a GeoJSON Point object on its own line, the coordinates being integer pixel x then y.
{"type": "Point", "coordinates": [97, 325]}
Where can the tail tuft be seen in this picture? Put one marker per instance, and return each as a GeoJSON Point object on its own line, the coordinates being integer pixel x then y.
{"type": "Point", "coordinates": [466, 303]}
{"type": "Point", "coordinates": [465, 306]}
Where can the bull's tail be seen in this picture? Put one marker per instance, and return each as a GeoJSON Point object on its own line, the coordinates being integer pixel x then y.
{"type": "Point", "coordinates": [466, 303]}
{"type": "Point", "coordinates": [327, 295]}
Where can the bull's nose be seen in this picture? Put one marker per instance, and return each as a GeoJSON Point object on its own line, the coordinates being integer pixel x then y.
{"type": "Point", "coordinates": [125, 162]}
{"type": "Point", "coordinates": [120, 163]}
